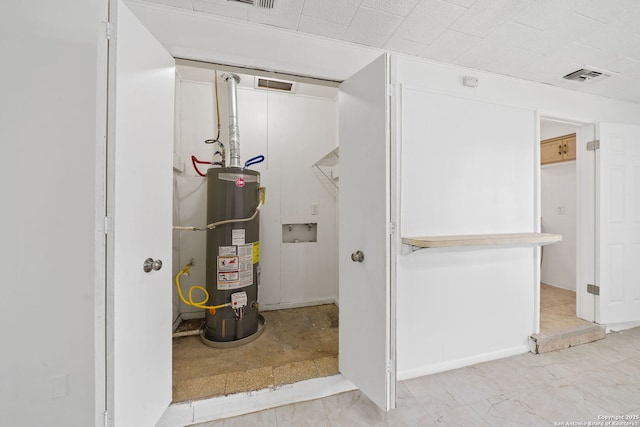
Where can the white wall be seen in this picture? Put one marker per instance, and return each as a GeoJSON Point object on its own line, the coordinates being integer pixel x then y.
{"type": "Point", "coordinates": [443, 333]}
{"type": "Point", "coordinates": [559, 215]}
{"type": "Point", "coordinates": [292, 132]}
{"type": "Point", "coordinates": [467, 167]}
{"type": "Point", "coordinates": [551, 129]}
{"type": "Point", "coordinates": [558, 188]}
{"type": "Point", "coordinates": [48, 186]}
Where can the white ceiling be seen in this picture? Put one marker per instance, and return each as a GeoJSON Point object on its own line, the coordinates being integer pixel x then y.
{"type": "Point", "coordinates": [537, 40]}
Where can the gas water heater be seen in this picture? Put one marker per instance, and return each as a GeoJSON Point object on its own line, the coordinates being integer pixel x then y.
{"type": "Point", "coordinates": [233, 255]}
{"type": "Point", "coordinates": [234, 198]}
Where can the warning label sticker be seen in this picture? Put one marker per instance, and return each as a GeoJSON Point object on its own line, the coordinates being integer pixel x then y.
{"type": "Point", "coordinates": [245, 255]}
{"type": "Point", "coordinates": [235, 271]}
{"type": "Point", "coordinates": [228, 280]}
{"type": "Point", "coordinates": [256, 252]}
{"type": "Point", "coordinates": [228, 263]}
{"type": "Point", "coordinates": [237, 236]}
{"type": "Point", "coordinates": [227, 250]}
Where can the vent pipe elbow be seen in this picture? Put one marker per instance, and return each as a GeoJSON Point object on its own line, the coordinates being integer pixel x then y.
{"type": "Point", "coordinates": [234, 131]}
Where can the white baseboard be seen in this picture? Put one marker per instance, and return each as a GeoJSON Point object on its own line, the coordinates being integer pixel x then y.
{"type": "Point", "coordinates": [181, 414]}
{"type": "Point", "coordinates": [422, 371]}
{"type": "Point", "coordinates": [617, 327]}
{"type": "Point", "coordinates": [567, 288]}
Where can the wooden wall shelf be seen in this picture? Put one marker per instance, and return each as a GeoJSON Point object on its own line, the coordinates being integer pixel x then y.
{"type": "Point", "coordinates": [518, 239]}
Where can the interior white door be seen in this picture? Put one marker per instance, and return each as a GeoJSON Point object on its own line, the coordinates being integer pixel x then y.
{"type": "Point", "coordinates": [618, 223]}
{"type": "Point", "coordinates": [140, 200]}
{"type": "Point", "coordinates": [586, 256]}
{"type": "Point", "coordinates": [364, 211]}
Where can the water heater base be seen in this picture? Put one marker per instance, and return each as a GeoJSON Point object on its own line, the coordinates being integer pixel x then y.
{"type": "Point", "coordinates": [237, 343]}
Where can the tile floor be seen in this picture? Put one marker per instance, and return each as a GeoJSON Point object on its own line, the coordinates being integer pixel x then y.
{"type": "Point", "coordinates": [577, 384]}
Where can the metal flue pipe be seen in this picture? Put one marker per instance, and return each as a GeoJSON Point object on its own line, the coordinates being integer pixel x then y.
{"type": "Point", "coordinates": [234, 131]}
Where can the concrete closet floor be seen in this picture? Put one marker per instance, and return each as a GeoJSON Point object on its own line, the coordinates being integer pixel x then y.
{"type": "Point", "coordinates": [297, 344]}
{"type": "Point", "coordinates": [558, 310]}
{"type": "Point", "coordinates": [559, 325]}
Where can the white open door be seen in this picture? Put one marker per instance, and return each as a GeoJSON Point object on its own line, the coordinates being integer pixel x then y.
{"type": "Point", "coordinates": [617, 243]}
{"type": "Point", "coordinates": [139, 199]}
{"type": "Point", "coordinates": [364, 214]}
{"type": "Point", "coordinates": [586, 256]}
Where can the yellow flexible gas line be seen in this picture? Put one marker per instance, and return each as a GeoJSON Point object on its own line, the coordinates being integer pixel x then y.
{"type": "Point", "coordinates": [190, 302]}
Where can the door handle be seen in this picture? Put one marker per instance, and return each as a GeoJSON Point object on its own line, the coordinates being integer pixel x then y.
{"type": "Point", "coordinates": [357, 256]}
{"type": "Point", "coordinates": [151, 264]}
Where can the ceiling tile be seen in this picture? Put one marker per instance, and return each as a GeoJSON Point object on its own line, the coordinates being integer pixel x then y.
{"type": "Point", "coordinates": [183, 4]}
{"type": "Point", "coordinates": [428, 20]}
{"type": "Point", "coordinates": [396, 44]}
{"type": "Point", "coordinates": [484, 16]}
{"type": "Point", "coordinates": [627, 67]}
{"type": "Point", "coordinates": [587, 55]}
{"type": "Point", "coordinates": [321, 28]}
{"type": "Point", "coordinates": [449, 45]}
{"type": "Point", "coordinates": [221, 7]}
{"type": "Point", "coordinates": [542, 15]}
{"type": "Point", "coordinates": [482, 54]}
{"type": "Point", "coordinates": [610, 38]}
{"type": "Point", "coordinates": [286, 15]}
{"type": "Point", "coordinates": [514, 34]}
{"type": "Point", "coordinates": [371, 27]}
{"type": "Point", "coordinates": [514, 62]}
{"type": "Point", "coordinates": [397, 7]}
{"type": "Point", "coordinates": [336, 11]}
{"type": "Point", "coordinates": [635, 51]}
{"type": "Point", "coordinates": [619, 13]}
{"type": "Point", "coordinates": [463, 3]}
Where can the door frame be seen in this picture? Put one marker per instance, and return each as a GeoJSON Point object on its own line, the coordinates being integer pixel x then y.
{"type": "Point", "coordinates": [581, 284]}
{"type": "Point", "coordinates": [101, 287]}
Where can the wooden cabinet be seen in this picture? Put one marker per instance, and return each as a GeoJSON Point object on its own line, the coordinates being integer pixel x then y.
{"type": "Point", "coordinates": [560, 149]}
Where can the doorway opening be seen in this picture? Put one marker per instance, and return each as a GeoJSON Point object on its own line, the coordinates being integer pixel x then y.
{"type": "Point", "coordinates": [560, 327]}
{"type": "Point", "coordinates": [292, 122]}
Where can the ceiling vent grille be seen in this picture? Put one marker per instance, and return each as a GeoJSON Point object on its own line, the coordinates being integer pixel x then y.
{"type": "Point", "coordinates": [271, 84]}
{"type": "Point", "coordinates": [259, 4]}
{"type": "Point", "coordinates": [586, 75]}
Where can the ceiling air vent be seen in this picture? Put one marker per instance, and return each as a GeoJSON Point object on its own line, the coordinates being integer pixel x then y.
{"type": "Point", "coordinates": [260, 4]}
{"type": "Point", "coordinates": [272, 84]}
{"type": "Point", "coordinates": [586, 75]}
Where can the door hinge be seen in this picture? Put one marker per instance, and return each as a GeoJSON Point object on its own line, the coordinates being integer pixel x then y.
{"type": "Point", "coordinates": [391, 228]}
{"type": "Point", "coordinates": [107, 419]}
{"type": "Point", "coordinates": [107, 29]}
{"type": "Point", "coordinates": [593, 145]}
{"type": "Point", "coordinates": [593, 289]}
{"type": "Point", "coordinates": [107, 224]}
{"type": "Point", "coordinates": [389, 366]}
